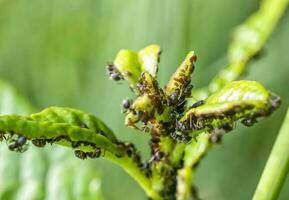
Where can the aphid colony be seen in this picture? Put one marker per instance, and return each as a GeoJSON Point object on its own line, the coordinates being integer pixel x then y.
{"type": "Point", "coordinates": [61, 117]}
{"type": "Point", "coordinates": [15, 142]}
{"type": "Point", "coordinates": [164, 112]}
{"type": "Point", "coordinates": [159, 109]}
{"type": "Point", "coordinates": [19, 143]}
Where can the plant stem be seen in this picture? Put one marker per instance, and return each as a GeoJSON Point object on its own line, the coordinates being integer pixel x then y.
{"type": "Point", "coordinates": [277, 166]}
{"type": "Point", "coordinates": [248, 39]}
{"type": "Point", "coordinates": [135, 172]}
{"type": "Point", "coordinates": [193, 154]}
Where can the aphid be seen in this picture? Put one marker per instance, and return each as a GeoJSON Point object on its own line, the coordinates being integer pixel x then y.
{"type": "Point", "coordinates": [186, 139]}
{"type": "Point", "coordinates": [83, 125]}
{"type": "Point", "coordinates": [140, 87]}
{"type": "Point", "coordinates": [21, 140]}
{"type": "Point", "coordinates": [174, 97]}
{"type": "Point", "coordinates": [155, 139]}
{"type": "Point", "coordinates": [2, 136]}
{"type": "Point", "coordinates": [75, 144]}
{"type": "Point", "coordinates": [158, 155]}
{"type": "Point", "coordinates": [145, 128]}
{"type": "Point", "coordinates": [18, 145]}
{"type": "Point", "coordinates": [115, 77]}
{"type": "Point", "coordinates": [275, 102]}
{"type": "Point", "coordinates": [181, 126]}
{"type": "Point", "coordinates": [181, 138]}
{"type": "Point", "coordinates": [227, 127]}
{"type": "Point", "coordinates": [188, 89]}
{"type": "Point", "coordinates": [197, 104]}
{"type": "Point", "coordinates": [80, 154]}
{"type": "Point", "coordinates": [145, 166]}
{"type": "Point", "coordinates": [114, 73]}
{"type": "Point", "coordinates": [216, 136]}
{"type": "Point", "coordinates": [249, 121]}
{"type": "Point", "coordinates": [101, 132]}
{"type": "Point", "coordinates": [94, 154]}
{"type": "Point", "coordinates": [126, 103]}
{"type": "Point", "coordinates": [39, 142]}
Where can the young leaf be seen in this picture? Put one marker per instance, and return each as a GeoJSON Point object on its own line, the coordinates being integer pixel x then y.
{"type": "Point", "coordinates": [179, 86]}
{"type": "Point", "coordinates": [149, 59]}
{"type": "Point", "coordinates": [129, 65]}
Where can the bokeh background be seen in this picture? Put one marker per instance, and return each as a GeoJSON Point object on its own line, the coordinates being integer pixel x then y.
{"type": "Point", "coordinates": [55, 51]}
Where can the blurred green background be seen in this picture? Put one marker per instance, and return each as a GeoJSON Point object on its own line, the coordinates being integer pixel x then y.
{"type": "Point", "coordinates": [55, 51]}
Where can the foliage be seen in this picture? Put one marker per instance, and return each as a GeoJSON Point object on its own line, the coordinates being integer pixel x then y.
{"type": "Point", "coordinates": [39, 174]}
{"type": "Point", "coordinates": [95, 108]}
{"type": "Point", "coordinates": [161, 112]}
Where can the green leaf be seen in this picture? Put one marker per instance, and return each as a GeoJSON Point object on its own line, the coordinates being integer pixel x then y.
{"type": "Point", "coordinates": [237, 100]}
{"type": "Point", "coordinates": [128, 65]}
{"type": "Point", "coordinates": [61, 125]}
{"type": "Point", "coordinates": [179, 86]}
{"type": "Point", "coordinates": [74, 117]}
{"type": "Point", "coordinates": [131, 64]}
{"type": "Point", "coordinates": [149, 59]}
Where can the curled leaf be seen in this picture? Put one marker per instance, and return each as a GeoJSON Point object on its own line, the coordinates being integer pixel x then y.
{"type": "Point", "coordinates": [148, 85]}
{"type": "Point", "coordinates": [149, 59]}
{"type": "Point", "coordinates": [129, 65]}
{"type": "Point", "coordinates": [245, 100]}
{"type": "Point", "coordinates": [179, 86]}
{"type": "Point", "coordinates": [64, 126]}
{"type": "Point", "coordinates": [141, 110]}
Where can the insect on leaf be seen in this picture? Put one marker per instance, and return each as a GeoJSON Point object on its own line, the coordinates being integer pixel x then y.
{"type": "Point", "coordinates": [128, 65]}
{"type": "Point", "coordinates": [63, 126]}
{"type": "Point", "coordinates": [179, 86]}
{"type": "Point", "coordinates": [237, 100]}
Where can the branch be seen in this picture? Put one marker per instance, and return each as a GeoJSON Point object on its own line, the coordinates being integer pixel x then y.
{"type": "Point", "coordinates": [248, 40]}
{"type": "Point", "coordinates": [194, 152]}
{"type": "Point", "coordinates": [246, 100]}
{"type": "Point", "coordinates": [277, 166]}
{"type": "Point", "coordinates": [84, 133]}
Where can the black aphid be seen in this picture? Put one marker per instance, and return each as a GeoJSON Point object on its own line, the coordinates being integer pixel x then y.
{"type": "Point", "coordinates": [126, 103]}
{"type": "Point", "coordinates": [158, 155]}
{"type": "Point", "coordinates": [114, 73]}
{"type": "Point", "coordinates": [39, 142]}
{"type": "Point", "coordinates": [94, 154]}
{"type": "Point", "coordinates": [80, 154]}
{"type": "Point", "coordinates": [18, 145]}
{"type": "Point", "coordinates": [198, 103]}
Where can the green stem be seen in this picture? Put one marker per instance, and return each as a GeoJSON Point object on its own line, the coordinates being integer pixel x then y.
{"type": "Point", "coordinates": [248, 39]}
{"type": "Point", "coordinates": [135, 172]}
{"type": "Point", "coordinates": [277, 166]}
{"type": "Point", "coordinates": [194, 152]}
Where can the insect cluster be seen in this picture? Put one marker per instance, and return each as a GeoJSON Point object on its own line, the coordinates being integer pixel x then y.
{"type": "Point", "coordinates": [165, 113]}
{"type": "Point", "coordinates": [15, 142]}
{"type": "Point", "coordinates": [65, 126]}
